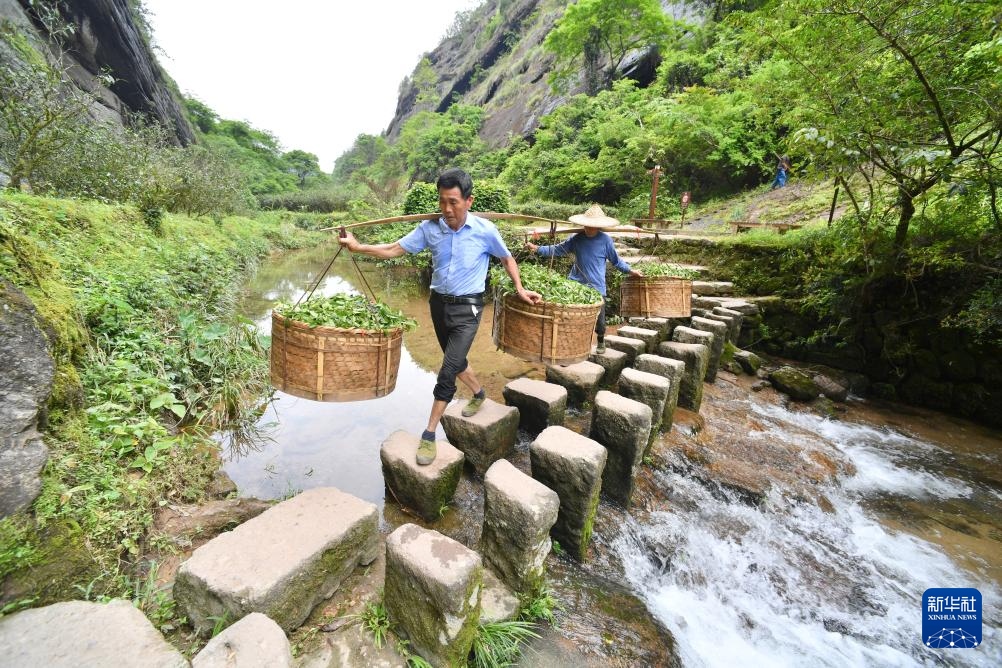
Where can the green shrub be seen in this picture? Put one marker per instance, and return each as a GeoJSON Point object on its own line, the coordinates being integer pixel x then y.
{"type": "Point", "coordinates": [488, 196]}
{"type": "Point", "coordinates": [421, 198]}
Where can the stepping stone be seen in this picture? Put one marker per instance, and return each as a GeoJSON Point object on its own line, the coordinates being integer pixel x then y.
{"type": "Point", "coordinates": [661, 325]}
{"type": "Point", "coordinates": [78, 633]}
{"type": "Point", "coordinates": [539, 404]}
{"type": "Point", "coordinates": [650, 337]}
{"type": "Point", "coordinates": [497, 602]}
{"type": "Point", "coordinates": [712, 288]}
{"type": "Point", "coordinates": [703, 302]}
{"type": "Point", "coordinates": [733, 325]}
{"type": "Point", "coordinates": [623, 426]}
{"type": "Point", "coordinates": [484, 438]}
{"type": "Point", "coordinates": [671, 369]}
{"type": "Point", "coordinates": [632, 347]}
{"type": "Point", "coordinates": [749, 361]}
{"type": "Point", "coordinates": [581, 380]}
{"type": "Point", "coordinates": [253, 642]}
{"type": "Point", "coordinates": [281, 563]}
{"type": "Point", "coordinates": [423, 489]}
{"type": "Point", "coordinates": [742, 307]}
{"type": "Point", "coordinates": [432, 593]}
{"type": "Point", "coordinates": [518, 515]}
{"type": "Point", "coordinates": [692, 335]}
{"type": "Point", "coordinates": [613, 361]}
{"type": "Point", "coordinates": [719, 331]}
{"type": "Point", "coordinates": [571, 465]}
{"type": "Point", "coordinates": [737, 316]}
{"type": "Point", "coordinates": [695, 357]}
{"type": "Point", "coordinates": [650, 389]}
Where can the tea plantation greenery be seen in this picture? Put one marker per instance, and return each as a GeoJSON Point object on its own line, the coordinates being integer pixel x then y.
{"type": "Point", "coordinates": [552, 285]}
{"type": "Point", "coordinates": [347, 312]}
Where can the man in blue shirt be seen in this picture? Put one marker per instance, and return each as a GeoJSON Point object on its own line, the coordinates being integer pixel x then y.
{"type": "Point", "coordinates": [461, 245]}
{"type": "Point", "coordinates": [591, 249]}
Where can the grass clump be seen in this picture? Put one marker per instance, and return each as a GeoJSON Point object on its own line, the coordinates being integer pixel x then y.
{"type": "Point", "coordinates": [347, 312]}
{"type": "Point", "coordinates": [499, 644]}
{"type": "Point", "coordinates": [554, 287]}
{"type": "Point", "coordinates": [664, 270]}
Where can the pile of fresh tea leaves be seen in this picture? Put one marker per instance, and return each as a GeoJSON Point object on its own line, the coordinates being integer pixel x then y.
{"type": "Point", "coordinates": [664, 270]}
{"type": "Point", "coordinates": [346, 311]}
{"type": "Point", "coordinates": [555, 288]}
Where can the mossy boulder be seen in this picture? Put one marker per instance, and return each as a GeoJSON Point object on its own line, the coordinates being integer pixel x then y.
{"type": "Point", "coordinates": [795, 383]}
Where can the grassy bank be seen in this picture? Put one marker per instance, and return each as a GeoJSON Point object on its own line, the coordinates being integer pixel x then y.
{"type": "Point", "coordinates": [149, 360]}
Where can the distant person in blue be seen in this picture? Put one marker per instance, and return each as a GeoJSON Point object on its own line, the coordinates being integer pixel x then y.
{"type": "Point", "coordinates": [591, 249]}
{"type": "Point", "coordinates": [461, 247]}
{"type": "Point", "coordinates": [782, 172]}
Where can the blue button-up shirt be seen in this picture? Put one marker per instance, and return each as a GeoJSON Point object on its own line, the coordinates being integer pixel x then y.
{"type": "Point", "coordinates": [590, 254]}
{"type": "Point", "coordinates": [459, 258]}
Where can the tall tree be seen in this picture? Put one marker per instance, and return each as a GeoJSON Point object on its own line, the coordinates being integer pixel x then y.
{"type": "Point", "coordinates": [610, 28]}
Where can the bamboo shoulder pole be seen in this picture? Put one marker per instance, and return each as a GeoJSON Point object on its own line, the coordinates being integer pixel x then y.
{"type": "Point", "coordinates": [489, 215]}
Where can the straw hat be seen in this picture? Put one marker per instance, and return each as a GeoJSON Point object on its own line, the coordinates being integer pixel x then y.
{"type": "Point", "coordinates": [594, 217]}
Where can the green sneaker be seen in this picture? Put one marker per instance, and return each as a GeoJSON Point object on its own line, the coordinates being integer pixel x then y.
{"type": "Point", "coordinates": [471, 408]}
{"type": "Point", "coordinates": [600, 348]}
{"type": "Point", "coordinates": [426, 452]}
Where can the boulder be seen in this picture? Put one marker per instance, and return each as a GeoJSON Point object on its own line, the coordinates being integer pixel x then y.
{"type": "Point", "coordinates": [613, 361]}
{"type": "Point", "coordinates": [749, 361]}
{"type": "Point", "coordinates": [632, 347]}
{"type": "Point", "coordinates": [497, 602]}
{"type": "Point", "coordinates": [423, 489]}
{"type": "Point", "coordinates": [581, 380]}
{"type": "Point", "coordinates": [571, 465]}
{"type": "Point", "coordinates": [671, 369]}
{"type": "Point", "coordinates": [539, 404]}
{"type": "Point", "coordinates": [650, 337]}
{"type": "Point", "coordinates": [623, 426]}
{"type": "Point", "coordinates": [719, 331]}
{"type": "Point", "coordinates": [281, 563]}
{"type": "Point", "coordinates": [695, 357]}
{"type": "Point", "coordinates": [518, 515]}
{"type": "Point", "coordinates": [708, 339]}
{"type": "Point", "coordinates": [78, 633]}
{"type": "Point", "coordinates": [253, 642]}
{"type": "Point", "coordinates": [797, 384]}
{"type": "Point", "coordinates": [432, 593]}
{"type": "Point", "coordinates": [26, 374]}
{"type": "Point", "coordinates": [650, 389]}
{"type": "Point", "coordinates": [184, 524]}
{"type": "Point", "coordinates": [484, 438]}
{"type": "Point", "coordinates": [831, 388]}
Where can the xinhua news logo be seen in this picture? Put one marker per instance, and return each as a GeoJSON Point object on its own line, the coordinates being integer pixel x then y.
{"type": "Point", "coordinates": [951, 618]}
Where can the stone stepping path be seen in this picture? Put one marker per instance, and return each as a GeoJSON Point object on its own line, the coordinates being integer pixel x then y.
{"type": "Point", "coordinates": [484, 438]}
{"type": "Point", "coordinates": [713, 288]}
{"type": "Point", "coordinates": [625, 344]}
{"type": "Point", "coordinates": [649, 389]}
{"type": "Point", "coordinates": [540, 404]}
{"type": "Point", "coordinates": [255, 642]}
{"type": "Point", "coordinates": [423, 489]}
{"type": "Point", "coordinates": [613, 361]}
{"type": "Point", "coordinates": [581, 380]}
{"type": "Point", "coordinates": [650, 337]}
{"type": "Point", "coordinates": [623, 426]}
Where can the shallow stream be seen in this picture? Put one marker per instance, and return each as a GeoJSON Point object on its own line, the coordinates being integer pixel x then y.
{"type": "Point", "coordinates": [824, 571]}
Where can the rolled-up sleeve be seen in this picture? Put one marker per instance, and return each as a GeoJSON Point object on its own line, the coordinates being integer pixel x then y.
{"type": "Point", "coordinates": [617, 262]}
{"type": "Point", "coordinates": [415, 241]}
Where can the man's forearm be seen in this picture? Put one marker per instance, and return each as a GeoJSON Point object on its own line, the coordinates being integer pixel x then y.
{"type": "Point", "coordinates": [512, 268]}
{"type": "Point", "coordinates": [381, 251]}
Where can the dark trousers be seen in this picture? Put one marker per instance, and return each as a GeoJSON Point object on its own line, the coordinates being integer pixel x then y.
{"type": "Point", "coordinates": [600, 324]}
{"type": "Point", "coordinates": [455, 326]}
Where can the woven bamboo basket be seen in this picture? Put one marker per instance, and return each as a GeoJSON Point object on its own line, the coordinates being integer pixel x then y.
{"type": "Point", "coordinates": [545, 332]}
{"type": "Point", "coordinates": [660, 297]}
{"type": "Point", "coordinates": [333, 364]}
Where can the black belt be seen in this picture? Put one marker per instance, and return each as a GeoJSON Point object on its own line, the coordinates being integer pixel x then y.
{"type": "Point", "coordinates": [475, 299]}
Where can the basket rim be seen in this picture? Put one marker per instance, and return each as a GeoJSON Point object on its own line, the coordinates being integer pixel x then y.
{"type": "Point", "coordinates": [652, 279]}
{"type": "Point", "coordinates": [551, 304]}
{"type": "Point", "coordinates": [327, 329]}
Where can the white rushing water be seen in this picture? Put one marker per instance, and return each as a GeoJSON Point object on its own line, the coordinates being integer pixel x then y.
{"type": "Point", "coordinates": [788, 584]}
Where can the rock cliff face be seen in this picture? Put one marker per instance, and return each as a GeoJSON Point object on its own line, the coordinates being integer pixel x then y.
{"type": "Point", "coordinates": [497, 61]}
{"type": "Point", "coordinates": [108, 40]}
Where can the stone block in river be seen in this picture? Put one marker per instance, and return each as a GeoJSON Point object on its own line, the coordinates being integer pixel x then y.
{"type": "Point", "coordinates": [432, 593]}
{"type": "Point", "coordinates": [733, 331]}
{"type": "Point", "coordinates": [708, 339]}
{"type": "Point", "coordinates": [571, 465]}
{"type": "Point", "coordinates": [719, 331]}
{"type": "Point", "coordinates": [518, 515]}
{"type": "Point", "coordinates": [712, 288]}
{"type": "Point", "coordinates": [749, 361]}
{"type": "Point", "coordinates": [671, 369]}
{"type": "Point", "coordinates": [632, 347]}
{"type": "Point", "coordinates": [78, 633]}
{"type": "Point", "coordinates": [282, 563]}
{"type": "Point", "coordinates": [623, 426]}
{"type": "Point", "coordinates": [539, 404]}
{"type": "Point", "coordinates": [647, 388]}
{"type": "Point", "coordinates": [613, 361]}
{"type": "Point", "coordinates": [650, 337]}
{"type": "Point", "coordinates": [695, 356]}
{"type": "Point", "coordinates": [795, 383]}
{"type": "Point", "coordinates": [737, 319]}
{"type": "Point", "coordinates": [581, 380]}
{"type": "Point", "coordinates": [423, 489]}
{"type": "Point", "coordinates": [484, 438]}
{"type": "Point", "coordinates": [661, 325]}
{"type": "Point", "coordinates": [253, 642]}
{"type": "Point", "coordinates": [742, 307]}
{"type": "Point", "coordinates": [497, 602]}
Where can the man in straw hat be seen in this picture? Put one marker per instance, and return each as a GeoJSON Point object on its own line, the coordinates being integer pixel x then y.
{"type": "Point", "coordinates": [461, 247]}
{"type": "Point", "coordinates": [591, 248]}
